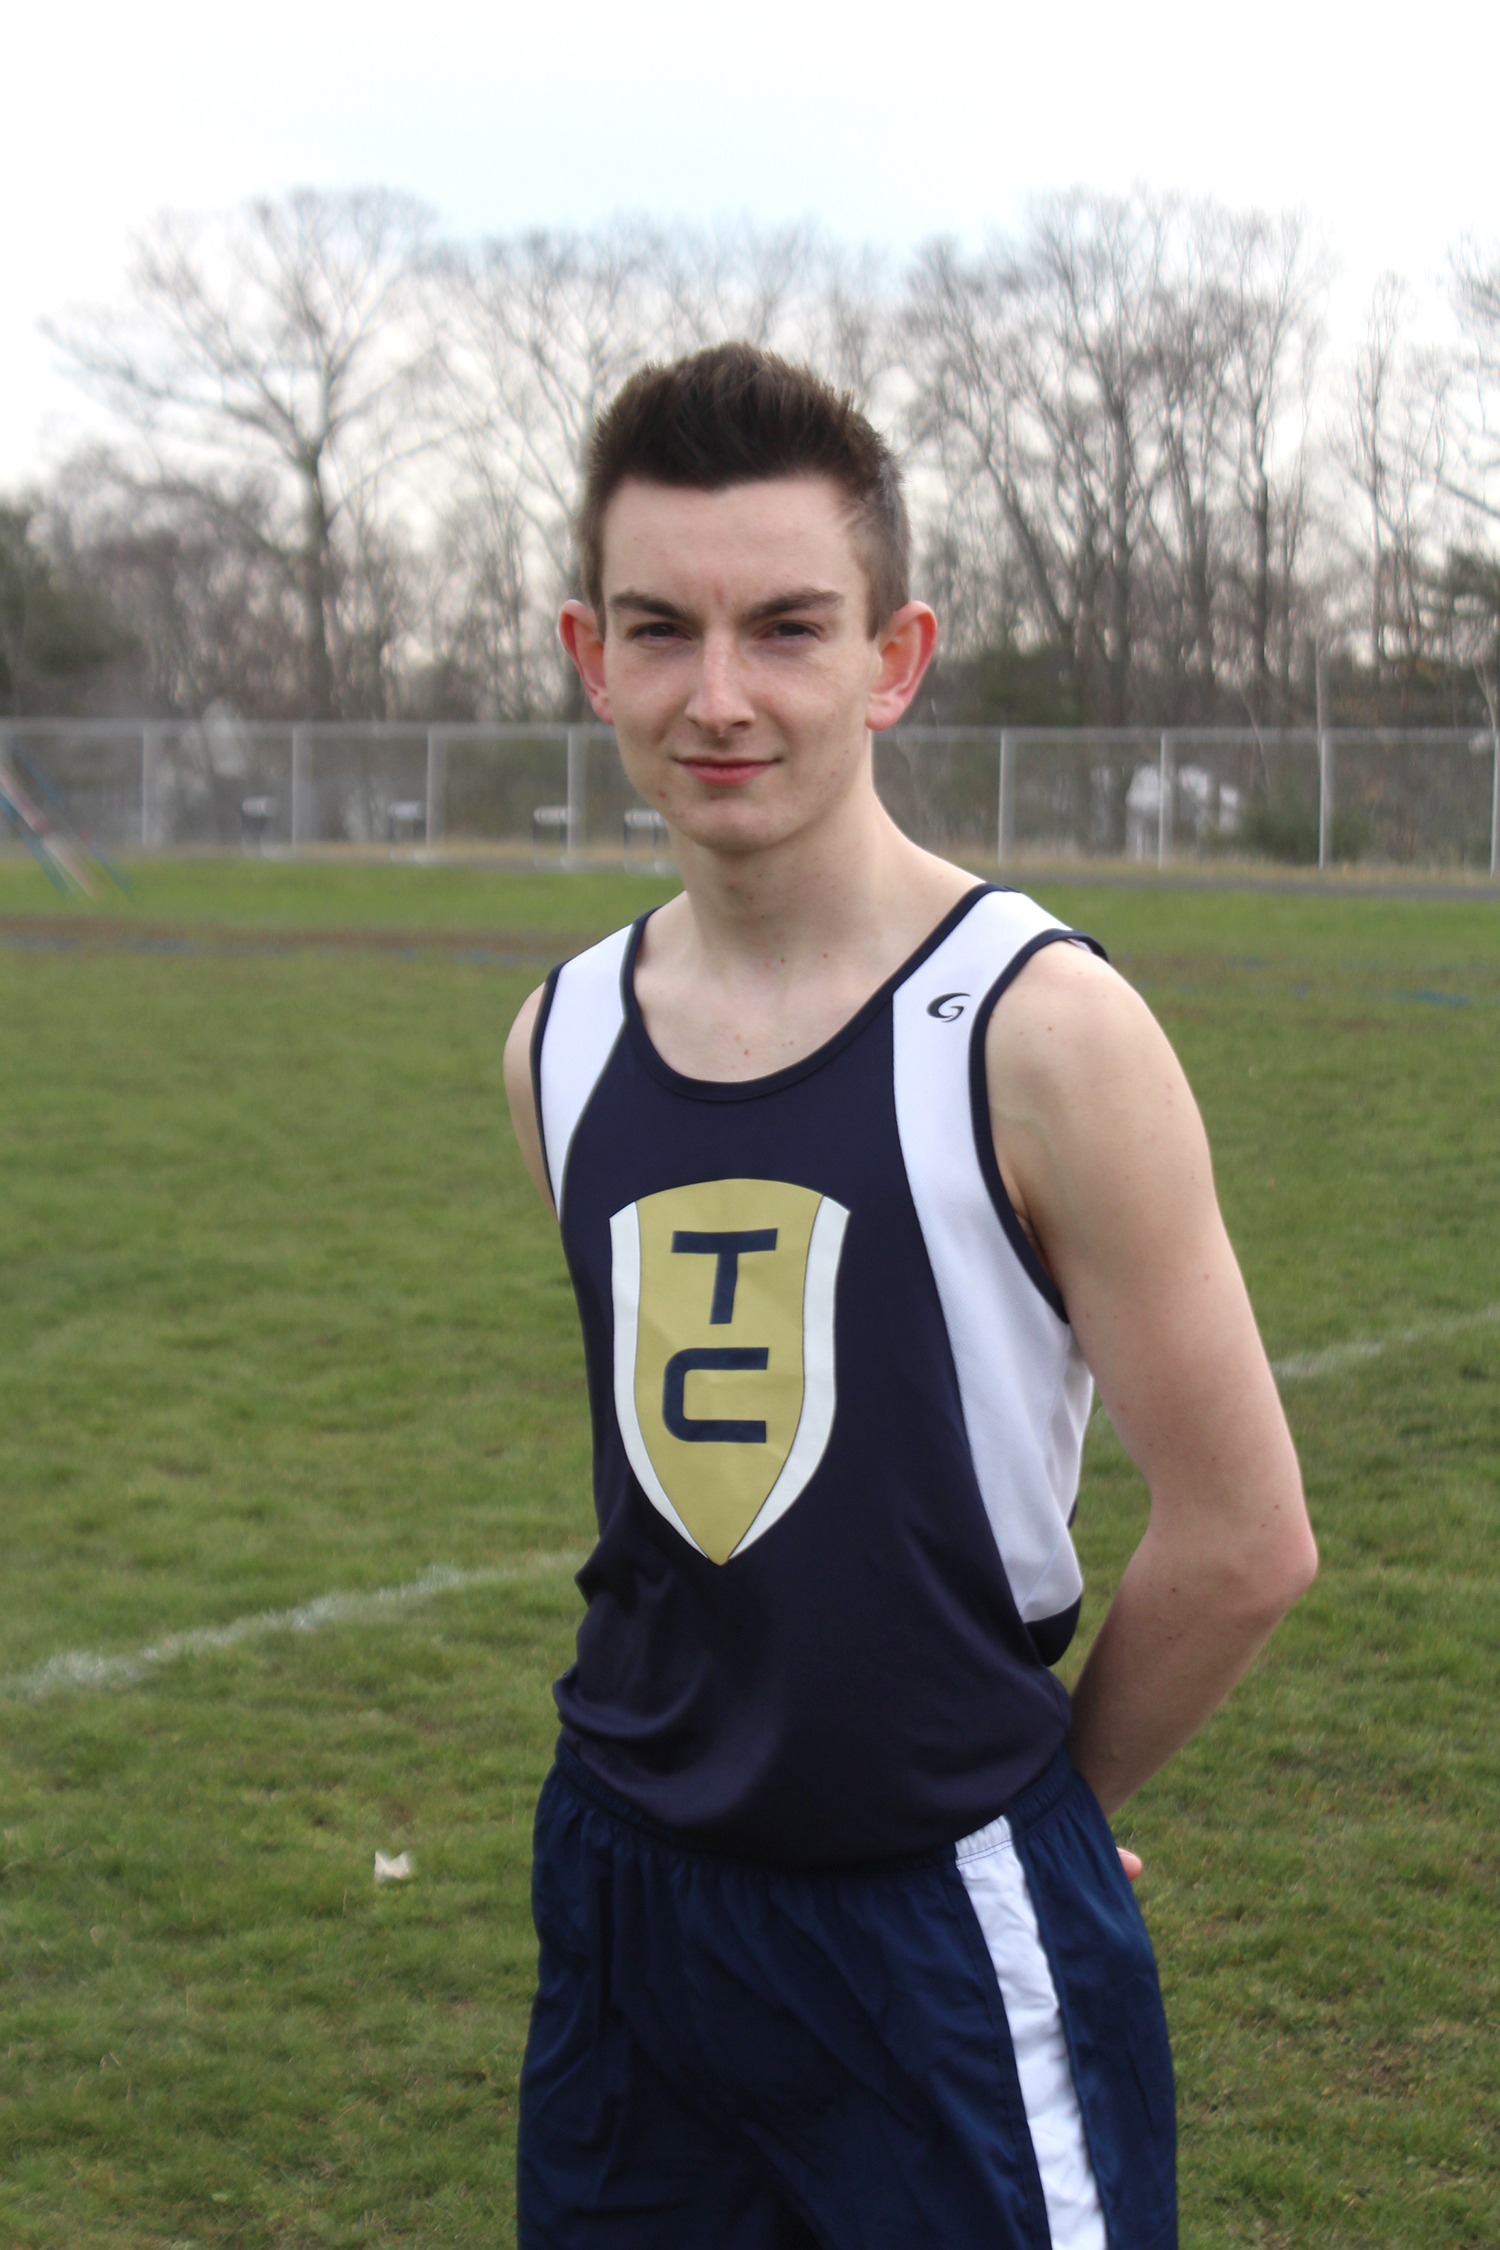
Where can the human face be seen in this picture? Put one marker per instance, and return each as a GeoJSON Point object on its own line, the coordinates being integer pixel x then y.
{"type": "Point", "coordinates": [737, 666]}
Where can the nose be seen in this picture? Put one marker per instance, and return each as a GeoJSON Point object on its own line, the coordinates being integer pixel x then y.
{"type": "Point", "coordinates": [720, 701]}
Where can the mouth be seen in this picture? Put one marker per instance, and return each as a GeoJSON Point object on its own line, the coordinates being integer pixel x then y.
{"type": "Point", "coordinates": [725, 773]}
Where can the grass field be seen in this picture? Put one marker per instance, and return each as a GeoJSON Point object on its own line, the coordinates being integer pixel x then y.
{"type": "Point", "coordinates": [280, 1317]}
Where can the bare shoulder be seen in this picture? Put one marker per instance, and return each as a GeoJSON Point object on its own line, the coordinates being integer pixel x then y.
{"type": "Point", "coordinates": [1097, 1135]}
{"type": "Point", "coordinates": [1069, 1011]}
{"type": "Point", "coordinates": [518, 1045]}
{"type": "Point", "coordinates": [1070, 1030]}
{"type": "Point", "coordinates": [521, 1094]}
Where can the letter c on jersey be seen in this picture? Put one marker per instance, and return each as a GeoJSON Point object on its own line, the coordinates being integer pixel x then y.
{"type": "Point", "coordinates": [724, 1296]}
{"type": "Point", "coordinates": [694, 1430]}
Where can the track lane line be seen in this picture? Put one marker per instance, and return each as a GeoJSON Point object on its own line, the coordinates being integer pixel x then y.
{"type": "Point", "coordinates": [87, 1668]}
{"type": "Point", "coordinates": [1302, 1366]}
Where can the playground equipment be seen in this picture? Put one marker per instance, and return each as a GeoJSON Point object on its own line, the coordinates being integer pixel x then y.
{"type": "Point", "coordinates": [38, 817]}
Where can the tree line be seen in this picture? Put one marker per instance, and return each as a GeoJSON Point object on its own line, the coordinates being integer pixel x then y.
{"type": "Point", "coordinates": [1145, 487]}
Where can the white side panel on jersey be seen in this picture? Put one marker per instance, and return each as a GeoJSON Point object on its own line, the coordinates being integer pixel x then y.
{"type": "Point", "coordinates": [585, 1020]}
{"type": "Point", "coordinates": [990, 1868]}
{"type": "Point", "coordinates": [1022, 1380]}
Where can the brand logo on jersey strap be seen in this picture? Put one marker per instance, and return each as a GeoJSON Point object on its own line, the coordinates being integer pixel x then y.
{"type": "Point", "coordinates": [724, 1361]}
{"type": "Point", "coordinates": [942, 1007]}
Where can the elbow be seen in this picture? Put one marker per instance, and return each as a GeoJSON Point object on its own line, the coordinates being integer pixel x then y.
{"type": "Point", "coordinates": [1307, 1564]}
{"type": "Point", "coordinates": [1280, 1573]}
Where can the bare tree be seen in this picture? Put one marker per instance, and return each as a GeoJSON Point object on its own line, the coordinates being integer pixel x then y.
{"type": "Point", "coordinates": [1195, 330]}
{"type": "Point", "coordinates": [376, 615]}
{"type": "Point", "coordinates": [1297, 602]}
{"type": "Point", "coordinates": [545, 327]}
{"type": "Point", "coordinates": [966, 568]}
{"type": "Point", "coordinates": [25, 590]}
{"type": "Point", "coordinates": [481, 616]}
{"type": "Point", "coordinates": [1471, 580]}
{"type": "Point", "coordinates": [541, 329]}
{"type": "Point", "coordinates": [1105, 420]}
{"type": "Point", "coordinates": [1467, 616]}
{"type": "Point", "coordinates": [1392, 450]}
{"type": "Point", "coordinates": [843, 320]}
{"type": "Point", "coordinates": [1098, 264]}
{"type": "Point", "coordinates": [208, 617]}
{"type": "Point", "coordinates": [1276, 281]}
{"type": "Point", "coordinates": [268, 368]}
{"type": "Point", "coordinates": [1036, 372]}
{"type": "Point", "coordinates": [1474, 476]}
{"type": "Point", "coordinates": [966, 325]}
{"type": "Point", "coordinates": [55, 634]}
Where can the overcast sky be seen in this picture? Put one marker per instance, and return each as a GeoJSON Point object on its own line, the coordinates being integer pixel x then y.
{"type": "Point", "coordinates": [886, 123]}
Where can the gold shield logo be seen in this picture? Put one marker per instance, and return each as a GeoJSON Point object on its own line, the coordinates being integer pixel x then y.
{"type": "Point", "coordinates": [724, 1360]}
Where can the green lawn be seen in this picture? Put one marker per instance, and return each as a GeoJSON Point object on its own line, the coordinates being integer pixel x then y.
{"type": "Point", "coordinates": [279, 1316]}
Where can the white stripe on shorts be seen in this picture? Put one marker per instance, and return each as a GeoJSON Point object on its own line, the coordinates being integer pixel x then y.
{"type": "Point", "coordinates": [995, 1880]}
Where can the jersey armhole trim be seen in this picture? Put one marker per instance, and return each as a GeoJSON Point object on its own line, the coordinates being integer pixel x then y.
{"type": "Point", "coordinates": [1051, 1636]}
{"type": "Point", "coordinates": [979, 1099]}
{"type": "Point", "coordinates": [538, 1033]}
{"type": "Point", "coordinates": [628, 961]}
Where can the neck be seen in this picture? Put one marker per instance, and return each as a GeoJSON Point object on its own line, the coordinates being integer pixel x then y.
{"type": "Point", "coordinates": [850, 887]}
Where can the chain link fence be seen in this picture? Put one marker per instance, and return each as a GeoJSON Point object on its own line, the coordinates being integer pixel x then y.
{"type": "Point", "coordinates": [555, 795]}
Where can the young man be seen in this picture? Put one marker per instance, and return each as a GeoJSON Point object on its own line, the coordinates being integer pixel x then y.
{"type": "Point", "coordinates": [866, 1173]}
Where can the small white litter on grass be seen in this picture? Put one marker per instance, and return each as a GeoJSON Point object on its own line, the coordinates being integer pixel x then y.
{"type": "Point", "coordinates": [397, 1870]}
{"type": "Point", "coordinates": [87, 1668]}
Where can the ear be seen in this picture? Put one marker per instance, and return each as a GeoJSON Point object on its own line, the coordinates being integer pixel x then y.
{"type": "Point", "coordinates": [906, 644]}
{"type": "Point", "coordinates": [580, 635]}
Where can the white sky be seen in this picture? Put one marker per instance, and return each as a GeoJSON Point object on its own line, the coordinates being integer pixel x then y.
{"type": "Point", "coordinates": [887, 123]}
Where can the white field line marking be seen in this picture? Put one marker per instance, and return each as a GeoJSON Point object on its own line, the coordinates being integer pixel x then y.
{"type": "Point", "coordinates": [1337, 1357]}
{"type": "Point", "coordinates": [85, 1668]}
{"type": "Point", "coordinates": [1301, 1367]}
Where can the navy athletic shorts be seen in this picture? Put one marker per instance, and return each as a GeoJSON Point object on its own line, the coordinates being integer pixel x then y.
{"type": "Point", "coordinates": [966, 2050]}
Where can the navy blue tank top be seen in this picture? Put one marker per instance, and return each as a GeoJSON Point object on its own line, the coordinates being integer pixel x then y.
{"type": "Point", "coordinates": [838, 1415]}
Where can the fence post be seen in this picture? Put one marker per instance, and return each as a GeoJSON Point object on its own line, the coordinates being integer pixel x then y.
{"type": "Point", "coordinates": [1006, 820]}
{"type": "Point", "coordinates": [1164, 787]}
{"type": "Point", "coordinates": [437, 761]}
{"type": "Point", "coordinates": [1325, 799]}
{"type": "Point", "coordinates": [299, 783]}
{"type": "Point", "coordinates": [151, 740]}
{"type": "Point", "coordinates": [1495, 808]}
{"type": "Point", "coordinates": [577, 771]}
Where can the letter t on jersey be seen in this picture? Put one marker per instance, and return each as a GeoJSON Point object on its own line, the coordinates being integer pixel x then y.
{"type": "Point", "coordinates": [728, 1249]}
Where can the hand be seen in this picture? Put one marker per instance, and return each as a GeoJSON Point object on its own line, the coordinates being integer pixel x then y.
{"type": "Point", "coordinates": [1130, 1863]}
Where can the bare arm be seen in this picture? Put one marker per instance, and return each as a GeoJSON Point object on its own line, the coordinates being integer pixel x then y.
{"type": "Point", "coordinates": [521, 1095]}
{"type": "Point", "coordinates": [1104, 1155]}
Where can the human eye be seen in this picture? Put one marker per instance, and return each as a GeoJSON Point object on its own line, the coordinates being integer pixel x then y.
{"type": "Point", "coordinates": [656, 632]}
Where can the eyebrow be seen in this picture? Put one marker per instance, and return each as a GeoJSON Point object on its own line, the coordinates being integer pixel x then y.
{"type": "Point", "coordinates": [796, 602]}
{"type": "Point", "coordinates": [646, 605]}
{"type": "Point", "coordinates": [802, 598]}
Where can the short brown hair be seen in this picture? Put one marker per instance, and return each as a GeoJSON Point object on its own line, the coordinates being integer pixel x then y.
{"type": "Point", "coordinates": [734, 415]}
